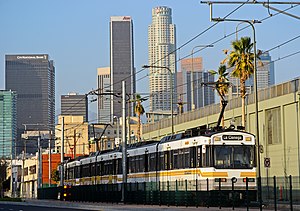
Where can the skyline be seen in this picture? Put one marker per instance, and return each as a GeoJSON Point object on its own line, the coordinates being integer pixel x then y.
{"type": "Point", "coordinates": [77, 38]}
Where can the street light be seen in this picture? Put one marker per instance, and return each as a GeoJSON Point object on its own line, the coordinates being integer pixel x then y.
{"type": "Point", "coordinates": [251, 23]}
{"type": "Point", "coordinates": [172, 89]}
{"type": "Point", "coordinates": [192, 73]}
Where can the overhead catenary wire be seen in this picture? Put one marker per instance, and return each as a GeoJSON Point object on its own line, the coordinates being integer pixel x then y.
{"type": "Point", "coordinates": [195, 37]}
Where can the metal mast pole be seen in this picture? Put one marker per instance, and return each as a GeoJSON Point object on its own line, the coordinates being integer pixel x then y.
{"type": "Point", "coordinates": [124, 146]}
{"type": "Point", "coordinates": [40, 162]}
{"type": "Point", "coordinates": [62, 152]}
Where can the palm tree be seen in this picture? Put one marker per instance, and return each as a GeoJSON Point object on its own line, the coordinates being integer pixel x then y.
{"type": "Point", "coordinates": [139, 110]}
{"type": "Point", "coordinates": [222, 84]}
{"type": "Point", "coordinates": [242, 60]}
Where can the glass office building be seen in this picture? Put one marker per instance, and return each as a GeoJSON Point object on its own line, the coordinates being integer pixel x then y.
{"type": "Point", "coordinates": [33, 78]}
{"type": "Point", "coordinates": [74, 104]}
{"type": "Point", "coordinates": [8, 123]}
{"type": "Point", "coordinates": [121, 60]}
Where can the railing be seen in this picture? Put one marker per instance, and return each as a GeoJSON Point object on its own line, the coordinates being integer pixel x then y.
{"type": "Point", "coordinates": [276, 192]}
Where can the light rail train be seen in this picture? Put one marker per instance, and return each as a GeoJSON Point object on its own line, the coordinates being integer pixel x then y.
{"type": "Point", "coordinates": [215, 159]}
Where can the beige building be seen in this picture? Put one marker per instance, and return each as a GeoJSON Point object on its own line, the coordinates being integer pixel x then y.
{"type": "Point", "coordinates": [279, 127]}
{"type": "Point", "coordinates": [83, 138]}
{"type": "Point", "coordinates": [76, 136]}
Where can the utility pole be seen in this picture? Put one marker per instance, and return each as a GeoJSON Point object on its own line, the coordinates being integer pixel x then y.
{"type": "Point", "coordinates": [39, 181]}
{"type": "Point", "coordinates": [62, 152]}
{"type": "Point", "coordinates": [124, 146]}
{"type": "Point", "coordinates": [50, 137]}
{"type": "Point", "coordinates": [74, 143]}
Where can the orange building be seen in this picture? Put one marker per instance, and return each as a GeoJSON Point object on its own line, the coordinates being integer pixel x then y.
{"type": "Point", "coordinates": [55, 161]}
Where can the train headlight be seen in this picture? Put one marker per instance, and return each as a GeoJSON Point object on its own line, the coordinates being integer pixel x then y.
{"type": "Point", "coordinates": [248, 138]}
{"type": "Point", "coordinates": [217, 138]}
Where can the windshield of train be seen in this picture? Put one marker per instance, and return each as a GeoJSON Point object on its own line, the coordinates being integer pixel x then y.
{"type": "Point", "coordinates": [234, 157]}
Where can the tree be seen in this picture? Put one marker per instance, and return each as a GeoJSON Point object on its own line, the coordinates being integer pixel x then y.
{"type": "Point", "coordinates": [139, 110]}
{"type": "Point", "coordinates": [55, 175]}
{"type": "Point", "coordinates": [242, 60]}
{"type": "Point", "coordinates": [222, 84]}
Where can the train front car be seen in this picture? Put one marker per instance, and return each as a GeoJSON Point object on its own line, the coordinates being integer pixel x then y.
{"type": "Point", "coordinates": [232, 171]}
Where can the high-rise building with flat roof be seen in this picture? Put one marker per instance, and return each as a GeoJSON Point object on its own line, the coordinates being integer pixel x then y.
{"type": "Point", "coordinates": [8, 123]}
{"type": "Point", "coordinates": [74, 104]}
{"type": "Point", "coordinates": [203, 95]}
{"type": "Point", "coordinates": [32, 77]}
{"type": "Point", "coordinates": [104, 99]}
{"type": "Point", "coordinates": [121, 60]}
{"type": "Point", "coordinates": [161, 50]}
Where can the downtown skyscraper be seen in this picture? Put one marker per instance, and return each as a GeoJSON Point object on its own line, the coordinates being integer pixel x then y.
{"type": "Point", "coordinates": [161, 50]}
{"type": "Point", "coordinates": [74, 104]}
{"type": "Point", "coordinates": [104, 99]}
{"type": "Point", "coordinates": [32, 77]}
{"type": "Point", "coordinates": [121, 62]}
{"type": "Point", "coordinates": [203, 94]}
{"type": "Point", "coordinates": [8, 123]}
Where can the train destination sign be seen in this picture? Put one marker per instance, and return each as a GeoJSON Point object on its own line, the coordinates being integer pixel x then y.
{"type": "Point", "coordinates": [232, 137]}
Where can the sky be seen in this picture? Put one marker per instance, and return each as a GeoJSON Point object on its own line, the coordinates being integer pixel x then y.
{"type": "Point", "coordinates": [75, 34]}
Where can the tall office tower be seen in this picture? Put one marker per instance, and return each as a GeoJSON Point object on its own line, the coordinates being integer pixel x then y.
{"type": "Point", "coordinates": [265, 77]}
{"type": "Point", "coordinates": [74, 104]}
{"type": "Point", "coordinates": [121, 61]}
{"type": "Point", "coordinates": [33, 78]}
{"type": "Point", "coordinates": [104, 100]}
{"type": "Point", "coordinates": [203, 95]}
{"type": "Point", "coordinates": [161, 49]}
{"type": "Point", "coordinates": [8, 123]}
{"type": "Point", "coordinates": [265, 71]}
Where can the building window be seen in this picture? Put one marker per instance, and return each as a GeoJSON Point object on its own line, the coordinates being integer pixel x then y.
{"type": "Point", "coordinates": [273, 126]}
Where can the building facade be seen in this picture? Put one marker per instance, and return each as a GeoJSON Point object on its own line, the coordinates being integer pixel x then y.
{"type": "Point", "coordinates": [161, 53]}
{"type": "Point", "coordinates": [74, 104]}
{"type": "Point", "coordinates": [104, 99]}
{"type": "Point", "coordinates": [202, 94]}
{"type": "Point", "coordinates": [121, 61]}
{"type": "Point", "coordinates": [32, 77]}
{"type": "Point", "coordinates": [8, 123]}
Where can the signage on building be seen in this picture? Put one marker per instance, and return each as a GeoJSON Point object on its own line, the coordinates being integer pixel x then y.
{"type": "Point", "coordinates": [33, 57]}
{"type": "Point", "coordinates": [126, 18]}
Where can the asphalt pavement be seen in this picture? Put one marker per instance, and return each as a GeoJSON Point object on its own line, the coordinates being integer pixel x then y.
{"type": "Point", "coordinates": [123, 207]}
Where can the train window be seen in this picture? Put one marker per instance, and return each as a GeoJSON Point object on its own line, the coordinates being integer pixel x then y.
{"type": "Point", "coordinates": [175, 159]}
{"type": "Point", "coordinates": [180, 159]}
{"type": "Point", "coordinates": [146, 161]}
{"type": "Point", "coordinates": [199, 162]}
{"type": "Point", "coordinates": [98, 169]}
{"type": "Point", "coordinates": [186, 158]}
{"type": "Point", "coordinates": [77, 172]}
{"type": "Point", "coordinates": [152, 162]}
{"type": "Point", "coordinates": [161, 161]}
{"type": "Point", "coordinates": [206, 157]}
{"type": "Point", "coordinates": [166, 161]}
{"type": "Point", "coordinates": [171, 159]}
{"type": "Point", "coordinates": [119, 166]}
{"type": "Point", "coordinates": [193, 153]}
{"type": "Point", "coordinates": [235, 157]}
{"type": "Point", "coordinates": [131, 165]}
{"type": "Point", "coordinates": [102, 168]}
{"type": "Point", "coordinates": [93, 169]}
